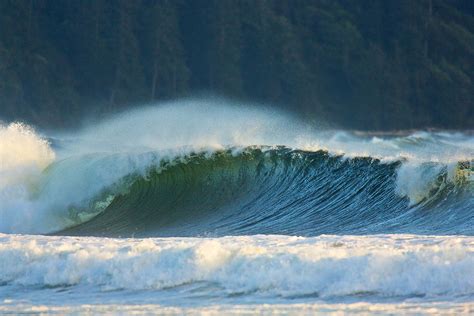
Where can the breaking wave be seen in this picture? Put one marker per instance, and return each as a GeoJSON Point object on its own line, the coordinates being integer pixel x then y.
{"type": "Point", "coordinates": [276, 191]}
{"type": "Point", "coordinates": [208, 169]}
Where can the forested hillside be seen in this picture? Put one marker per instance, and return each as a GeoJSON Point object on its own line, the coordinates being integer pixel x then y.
{"type": "Point", "coordinates": [386, 64]}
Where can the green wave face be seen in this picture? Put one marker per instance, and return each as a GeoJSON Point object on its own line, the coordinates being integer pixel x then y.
{"type": "Point", "coordinates": [276, 191]}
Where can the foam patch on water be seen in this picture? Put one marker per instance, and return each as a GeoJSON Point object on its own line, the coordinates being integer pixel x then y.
{"type": "Point", "coordinates": [281, 266]}
{"type": "Point", "coordinates": [298, 309]}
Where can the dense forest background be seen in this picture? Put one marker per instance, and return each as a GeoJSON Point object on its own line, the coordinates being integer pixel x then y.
{"type": "Point", "coordinates": [380, 64]}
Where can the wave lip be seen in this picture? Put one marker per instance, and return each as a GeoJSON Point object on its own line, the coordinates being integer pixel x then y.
{"type": "Point", "coordinates": [281, 266]}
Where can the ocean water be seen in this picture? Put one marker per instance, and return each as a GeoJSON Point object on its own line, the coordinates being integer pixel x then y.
{"type": "Point", "coordinates": [206, 207]}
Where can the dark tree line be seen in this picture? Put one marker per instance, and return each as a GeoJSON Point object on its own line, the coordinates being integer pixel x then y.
{"type": "Point", "coordinates": [380, 64]}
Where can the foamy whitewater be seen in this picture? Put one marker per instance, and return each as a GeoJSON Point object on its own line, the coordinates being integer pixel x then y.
{"type": "Point", "coordinates": [208, 207]}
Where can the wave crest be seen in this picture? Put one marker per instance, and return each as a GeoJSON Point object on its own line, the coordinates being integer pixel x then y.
{"type": "Point", "coordinates": [201, 159]}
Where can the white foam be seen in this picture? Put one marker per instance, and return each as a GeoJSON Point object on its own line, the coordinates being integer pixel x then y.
{"type": "Point", "coordinates": [319, 308]}
{"type": "Point", "coordinates": [327, 266]}
{"type": "Point", "coordinates": [23, 154]}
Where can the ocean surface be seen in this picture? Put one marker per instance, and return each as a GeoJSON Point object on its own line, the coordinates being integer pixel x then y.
{"type": "Point", "coordinates": [206, 207]}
